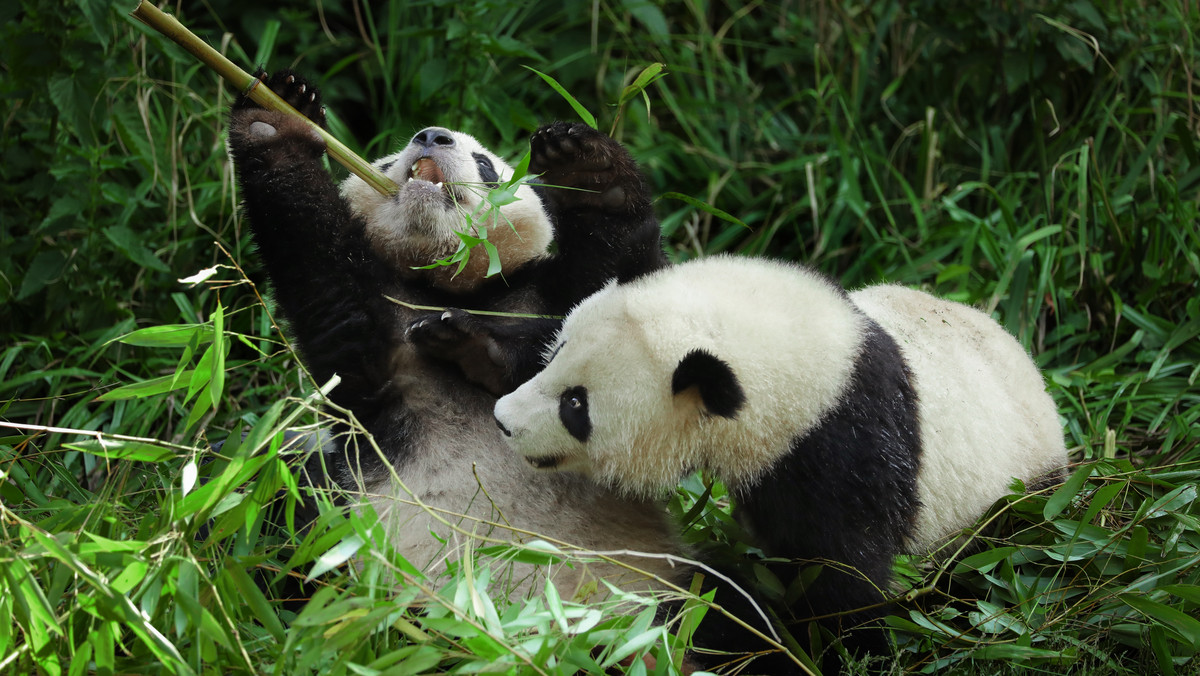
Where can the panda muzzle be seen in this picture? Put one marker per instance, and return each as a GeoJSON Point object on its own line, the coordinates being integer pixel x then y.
{"type": "Point", "coordinates": [544, 462]}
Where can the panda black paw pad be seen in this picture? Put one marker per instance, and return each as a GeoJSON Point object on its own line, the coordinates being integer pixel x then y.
{"type": "Point", "coordinates": [566, 148]}
{"type": "Point", "coordinates": [292, 88]}
{"type": "Point", "coordinates": [261, 131]}
{"type": "Point", "coordinates": [593, 170]}
{"type": "Point", "coordinates": [266, 138]}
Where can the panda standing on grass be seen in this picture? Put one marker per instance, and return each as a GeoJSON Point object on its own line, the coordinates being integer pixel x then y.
{"type": "Point", "coordinates": [849, 427]}
{"type": "Point", "coordinates": [424, 385]}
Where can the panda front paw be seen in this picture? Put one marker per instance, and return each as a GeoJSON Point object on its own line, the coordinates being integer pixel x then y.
{"type": "Point", "coordinates": [263, 138]}
{"type": "Point", "coordinates": [293, 88]}
{"type": "Point", "coordinates": [444, 333]}
{"type": "Point", "coordinates": [583, 167]}
{"type": "Point", "coordinates": [457, 337]}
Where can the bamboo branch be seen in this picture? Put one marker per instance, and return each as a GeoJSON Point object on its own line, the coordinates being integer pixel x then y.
{"type": "Point", "coordinates": [242, 81]}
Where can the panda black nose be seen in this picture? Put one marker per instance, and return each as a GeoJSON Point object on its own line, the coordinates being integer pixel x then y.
{"type": "Point", "coordinates": [434, 136]}
{"type": "Point", "coordinates": [503, 429]}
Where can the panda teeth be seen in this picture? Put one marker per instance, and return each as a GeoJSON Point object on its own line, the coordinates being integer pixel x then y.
{"type": "Point", "coordinates": [547, 462]}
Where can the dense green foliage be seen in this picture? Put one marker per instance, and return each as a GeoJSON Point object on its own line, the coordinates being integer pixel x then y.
{"type": "Point", "coordinates": [1038, 159]}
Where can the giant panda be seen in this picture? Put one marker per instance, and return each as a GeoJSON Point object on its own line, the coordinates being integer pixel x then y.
{"type": "Point", "coordinates": [424, 384]}
{"type": "Point", "coordinates": [849, 427]}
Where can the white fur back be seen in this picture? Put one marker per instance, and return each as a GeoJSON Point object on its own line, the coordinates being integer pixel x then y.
{"type": "Point", "coordinates": [984, 412]}
{"type": "Point", "coordinates": [792, 339]}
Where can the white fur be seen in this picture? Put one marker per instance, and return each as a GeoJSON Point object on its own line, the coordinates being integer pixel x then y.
{"type": "Point", "coordinates": [416, 226]}
{"type": "Point", "coordinates": [792, 340]}
{"type": "Point", "coordinates": [624, 342]}
{"type": "Point", "coordinates": [984, 411]}
{"type": "Point", "coordinates": [467, 475]}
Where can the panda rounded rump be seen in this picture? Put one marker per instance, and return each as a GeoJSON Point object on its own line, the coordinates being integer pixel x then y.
{"type": "Point", "coordinates": [985, 415]}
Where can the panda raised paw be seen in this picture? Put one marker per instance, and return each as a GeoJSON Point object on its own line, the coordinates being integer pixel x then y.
{"type": "Point", "coordinates": [266, 138]}
{"type": "Point", "coordinates": [584, 167]}
{"type": "Point", "coordinates": [570, 146]}
{"type": "Point", "coordinates": [295, 89]}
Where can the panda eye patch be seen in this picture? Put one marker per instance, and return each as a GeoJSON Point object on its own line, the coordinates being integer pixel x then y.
{"type": "Point", "coordinates": [487, 172]}
{"type": "Point", "coordinates": [573, 411]}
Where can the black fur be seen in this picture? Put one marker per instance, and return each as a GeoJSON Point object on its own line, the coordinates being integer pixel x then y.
{"type": "Point", "coordinates": [714, 379]}
{"type": "Point", "coordinates": [330, 285]}
{"type": "Point", "coordinates": [603, 217]}
{"type": "Point", "coordinates": [573, 411]}
{"type": "Point", "coordinates": [847, 494]}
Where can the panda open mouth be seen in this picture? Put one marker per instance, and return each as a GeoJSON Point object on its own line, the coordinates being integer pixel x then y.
{"type": "Point", "coordinates": [545, 462]}
{"type": "Point", "coordinates": [426, 169]}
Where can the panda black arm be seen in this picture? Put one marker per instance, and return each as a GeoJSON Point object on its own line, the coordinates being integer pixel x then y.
{"type": "Point", "coordinates": [604, 222]}
{"type": "Point", "coordinates": [324, 277]}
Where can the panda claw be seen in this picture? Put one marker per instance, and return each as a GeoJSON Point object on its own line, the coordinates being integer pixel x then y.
{"type": "Point", "coordinates": [291, 79]}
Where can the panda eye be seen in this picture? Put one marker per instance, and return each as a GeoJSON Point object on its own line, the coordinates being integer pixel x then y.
{"type": "Point", "coordinates": [487, 172]}
{"type": "Point", "coordinates": [573, 412]}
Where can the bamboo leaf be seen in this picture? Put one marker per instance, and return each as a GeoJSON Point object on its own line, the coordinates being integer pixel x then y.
{"type": "Point", "coordinates": [339, 554]}
{"type": "Point", "coordinates": [115, 449]}
{"type": "Point", "coordinates": [1067, 492]}
{"type": "Point", "coordinates": [582, 112]}
{"type": "Point", "coordinates": [1186, 627]}
{"type": "Point", "coordinates": [705, 207]}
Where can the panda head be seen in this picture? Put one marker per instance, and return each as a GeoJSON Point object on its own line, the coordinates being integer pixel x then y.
{"type": "Point", "coordinates": [717, 364]}
{"type": "Point", "coordinates": [625, 398]}
{"type": "Point", "coordinates": [443, 178]}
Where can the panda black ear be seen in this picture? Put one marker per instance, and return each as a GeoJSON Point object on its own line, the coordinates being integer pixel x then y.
{"type": "Point", "coordinates": [719, 388]}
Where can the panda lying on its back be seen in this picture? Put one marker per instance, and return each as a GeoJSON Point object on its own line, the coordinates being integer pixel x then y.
{"type": "Point", "coordinates": [409, 376]}
{"type": "Point", "coordinates": [849, 427]}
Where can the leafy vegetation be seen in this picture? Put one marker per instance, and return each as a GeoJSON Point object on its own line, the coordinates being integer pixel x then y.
{"type": "Point", "coordinates": [1037, 158]}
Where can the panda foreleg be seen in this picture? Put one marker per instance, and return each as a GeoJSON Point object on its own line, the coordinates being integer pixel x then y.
{"type": "Point", "coordinates": [604, 222]}
{"type": "Point", "coordinates": [325, 278]}
{"type": "Point", "coordinates": [495, 353]}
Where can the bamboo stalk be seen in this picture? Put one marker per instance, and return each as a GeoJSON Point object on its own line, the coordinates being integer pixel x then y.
{"type": "Point", "coordinates": [242, 81]}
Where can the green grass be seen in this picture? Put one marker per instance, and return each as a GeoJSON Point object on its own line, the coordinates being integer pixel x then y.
{"type": "Point", "coordinates": [1039, 160]}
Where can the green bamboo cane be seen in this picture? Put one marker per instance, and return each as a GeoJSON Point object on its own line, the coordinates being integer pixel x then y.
{"type": "Point", "coordinates": [259, 93]}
